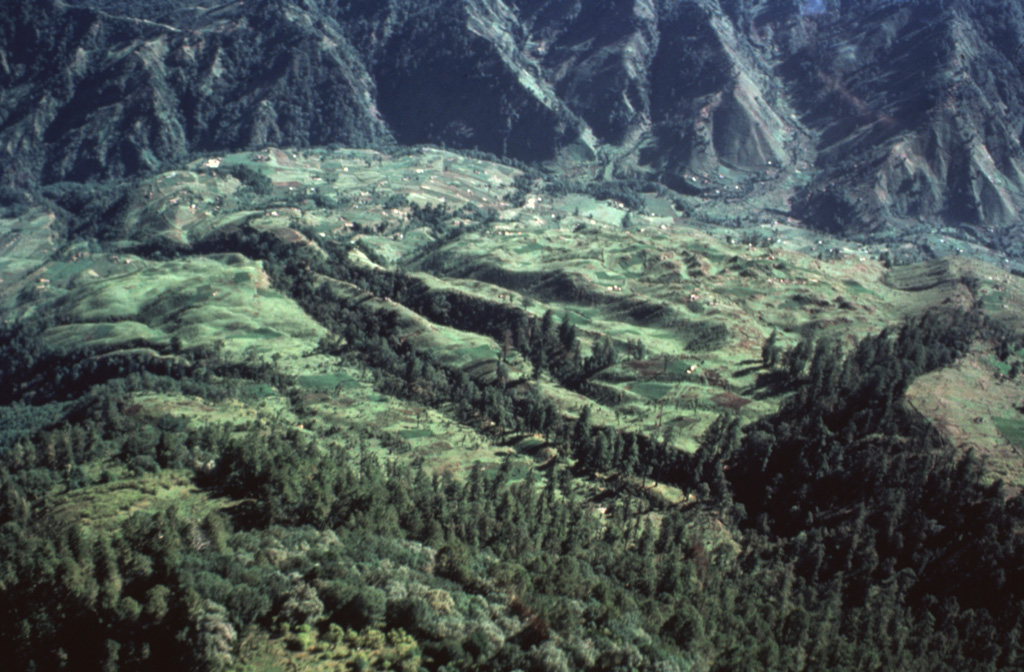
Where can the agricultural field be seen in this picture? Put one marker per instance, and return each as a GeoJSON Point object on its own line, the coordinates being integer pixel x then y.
{"type": "Point", "coordinates": [686, 309]}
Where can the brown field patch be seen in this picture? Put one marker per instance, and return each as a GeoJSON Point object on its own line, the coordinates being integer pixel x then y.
{"type": "Point", "coordinates": [731, 401]}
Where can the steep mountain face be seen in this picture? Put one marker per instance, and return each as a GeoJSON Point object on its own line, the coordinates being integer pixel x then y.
{"type": "Point", "coordinates": [714, 101]}
{"type": "Point", "coordinates": [597, 57]}
{"type": "Point", "coordinates": [457, 73]}
{"type": "Point", "coordinates": [864, 115]}
{"type": "Point", "coordinates": [918, 111]}
{"type": "Point", "coordinates": [84, 94]}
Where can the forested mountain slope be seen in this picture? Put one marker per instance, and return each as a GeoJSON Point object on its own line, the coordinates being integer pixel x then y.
{"type": "Point", "coordinates": [512, 335]}
{"type": "Point", "coordinates": [323, 408]}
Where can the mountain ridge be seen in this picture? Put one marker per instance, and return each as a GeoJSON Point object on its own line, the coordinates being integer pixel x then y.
{"type": "Point", "coordinates": [862, 117]}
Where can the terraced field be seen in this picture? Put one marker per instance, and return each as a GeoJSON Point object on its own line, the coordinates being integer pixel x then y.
{"type": "Point", "coordinates": [686, 310]}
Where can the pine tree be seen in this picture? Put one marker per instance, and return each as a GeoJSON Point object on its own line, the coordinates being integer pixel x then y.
{"type": "Point", "coordinates": [108, 574]}
{"type": "Point", "coordinates": [770, 350]}
{"type": "Point", "coordinates": [630, 456]}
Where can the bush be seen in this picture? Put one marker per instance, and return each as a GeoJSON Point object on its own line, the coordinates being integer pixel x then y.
{"type": "Point", "coordinates": [253, 179]}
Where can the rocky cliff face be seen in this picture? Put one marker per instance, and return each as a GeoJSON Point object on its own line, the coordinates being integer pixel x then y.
{"type": "Point", "coordinates": [85, 94]}
{"type": "Point", "coordinates": [714, 102]}
{"type": "Point", "coordinates": [918, 111]}
{"type": "Point", "coordinates": [863, 114]}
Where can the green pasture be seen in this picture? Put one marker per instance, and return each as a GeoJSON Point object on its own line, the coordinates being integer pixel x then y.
{"type": "Point", "coordinates": [1012, 429]}
{"type": "Point", "coordinates": [200, 300]}
{"type": "Point", "coordinates": [105, 507]}
{"type": "Point", "coordinates": [329, 381]}
{"type": "Point", "coordinates": [651, 390]}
